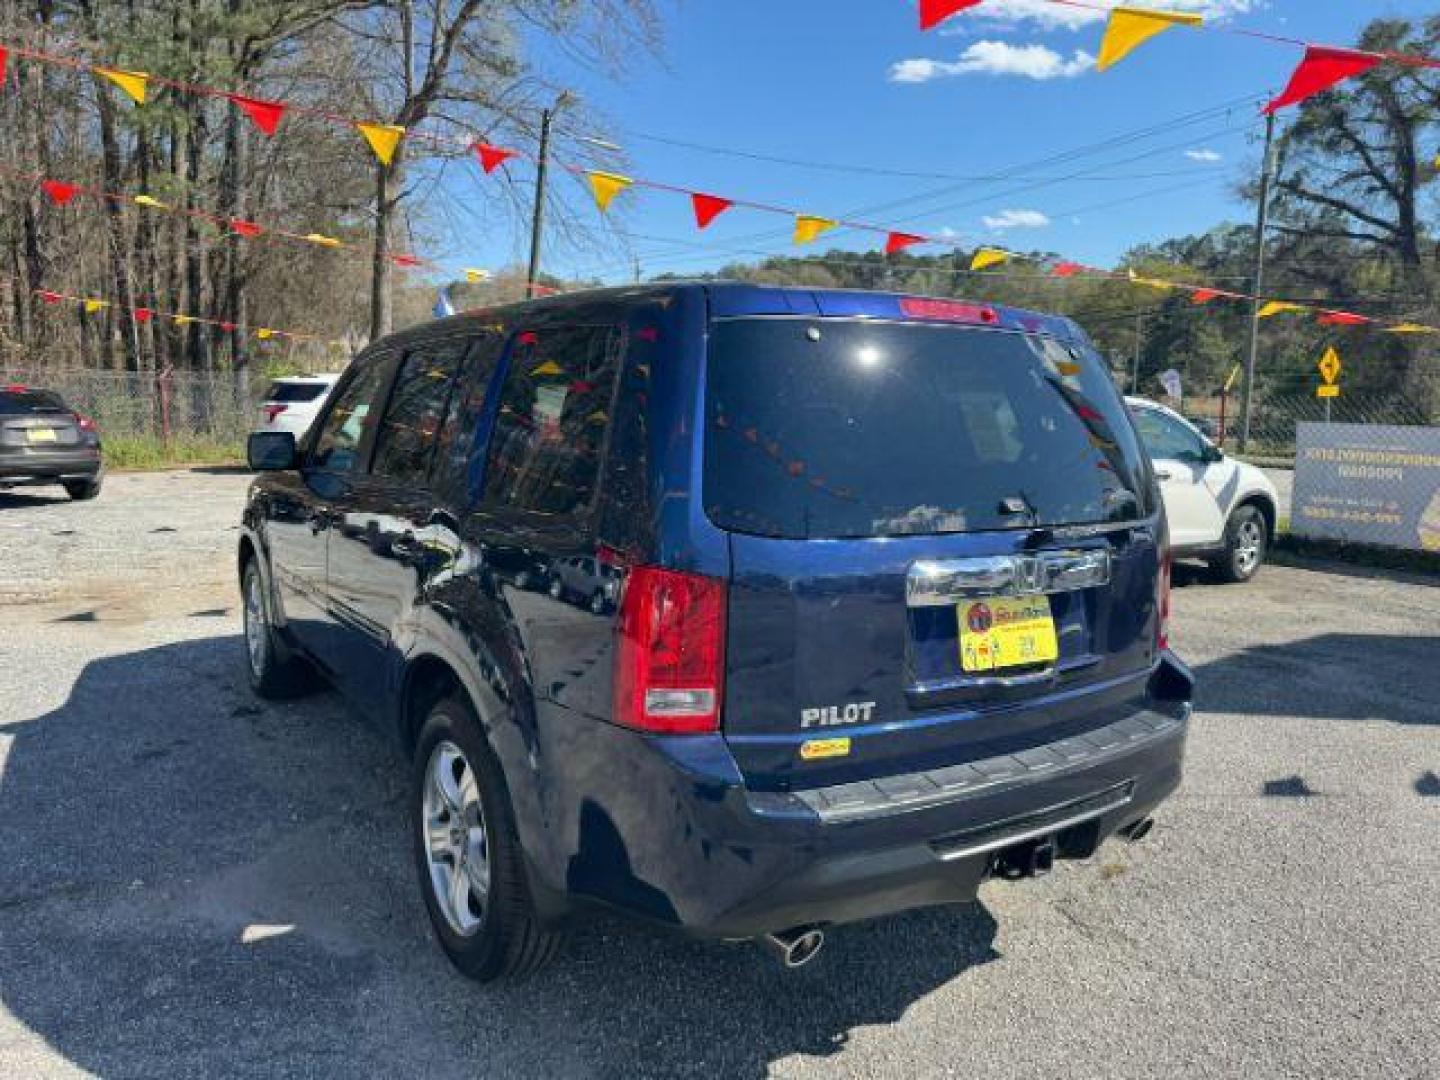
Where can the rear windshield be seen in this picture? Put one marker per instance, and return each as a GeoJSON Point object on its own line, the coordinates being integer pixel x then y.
{"type": "Point", "coordinates": [831, 428]}
{"type": "Point", "coordinates": [22, 402]}
{"type": "Point", "coordinates": [292, 392]}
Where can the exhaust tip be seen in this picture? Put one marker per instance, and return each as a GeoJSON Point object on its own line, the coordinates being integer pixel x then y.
{"type": "Point", "coordinates": [796, 948]}
{"type": "Point", "coordinates": [1138, 830]}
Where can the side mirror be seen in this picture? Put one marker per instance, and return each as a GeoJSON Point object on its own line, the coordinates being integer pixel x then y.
{"type": "Point", "coordinates": [272, 451]}
{"type": "Point", "coordinates": [1213, 454]}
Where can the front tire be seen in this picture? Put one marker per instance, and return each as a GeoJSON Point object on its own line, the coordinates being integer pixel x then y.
{"type": "Point", "coordinates": [1247, 540]}
{"type": "Point", "coordinates": [275, 673]}
{"type": "Point", "coordinates": [467, 852]}
{"type": "Point", "coordinates": [82, 490]}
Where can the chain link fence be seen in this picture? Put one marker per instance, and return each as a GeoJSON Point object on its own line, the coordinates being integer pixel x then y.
{"type": "Point", "coordinates": [1280, 404]}
{"type": "Point", "coordinates": [219, 407]}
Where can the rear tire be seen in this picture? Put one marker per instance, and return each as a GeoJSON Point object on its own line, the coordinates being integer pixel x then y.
{"type": "Point", "coordinates": [1247, 540]}
{"type": "Point", "coordinates": [467, 852]}
{"type": "Point", "coordinates": [275, 672]}
{"type": "Point", "coordinates": [82, 490]}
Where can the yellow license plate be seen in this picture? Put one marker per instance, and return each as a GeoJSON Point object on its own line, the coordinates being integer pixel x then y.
{"type": "Point", "coordinates": [41, 434]}
{"type": "Point", "coordinates": [1003, 632]}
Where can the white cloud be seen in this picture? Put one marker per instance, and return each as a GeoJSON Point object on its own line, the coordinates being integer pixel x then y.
{"type": "Point", "coordinates": [1208, 157]}
{"type": "Point", "coordinates": [1016, 219]}
{"type": "Point", "coordinates": [1050, 16]}
{"type": "Point", "coordinates": [995, 58]}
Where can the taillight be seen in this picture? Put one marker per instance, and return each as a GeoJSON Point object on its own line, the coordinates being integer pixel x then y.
{"type": "Point", "coordinates": [272, 411]}
{"type": "Point", "coordinates": [1162, 601]}
{"type": "Point", "coordinates": [921, 307]}
{"type": "Point", "coordinates": [84, 423]}
{"type": "Point", "coordinates": [669, 651]}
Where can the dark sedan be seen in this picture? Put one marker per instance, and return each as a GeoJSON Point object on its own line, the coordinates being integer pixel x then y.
{"type": "Point", "coordinates": [44, 441]}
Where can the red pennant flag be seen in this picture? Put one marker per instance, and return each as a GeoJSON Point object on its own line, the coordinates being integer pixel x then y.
{"type": "Point", "coordinates": [4, 56]}
{"type": "Point", "coordinates": [1203, 296]}
{"type": "Point", "coordinates": [60, 193]}
{"type": "Point", "coordinates": [1343, 318]}
{"type": "Point", "coordinates": [492, 157]}
{"type": "Point", "coordinates": [143, 314]}
{"type": "Point", "coordinates": [1321, 69]}
{"type": "Point", "coordinates": [241, 227]}
{"type": "Point", "coordinates": [934, 12]}
{"type": "Point", "coordinates": [265, 114]}
{"type": "Point", "coordinates": [227, 327]}
{"type": "Point", "coordinates": [402, 259]}
{"type": "Point", "coordinates": [708, 208]}
{"type": "Point", "coordinates": [1066, 269]}
{"type": "Point", "coordinates": [899, 241]}
{"type": "Point", "coordinates": [50, 297]}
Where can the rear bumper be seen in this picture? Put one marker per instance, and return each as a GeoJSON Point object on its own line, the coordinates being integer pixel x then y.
{"type": "Point", "coordinates": [1077, 793]}
{"type": "Point", "coordinates": [666, 829]}
{"type": "Point", "coordinates": [49, 467]}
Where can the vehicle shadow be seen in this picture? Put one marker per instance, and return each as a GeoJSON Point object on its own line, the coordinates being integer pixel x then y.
{"type": "Point", "coordinates": [195, 882]}
{"type": "Point", "coordinates": [19, 500]}
{"type": "Point", "coordinates": [1334, 676]}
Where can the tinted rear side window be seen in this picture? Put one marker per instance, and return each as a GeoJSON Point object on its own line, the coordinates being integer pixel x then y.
{"type": "Point", "coordinates": [851, 429]}
{"type": "Point", "coordinates": [554, 414]}
{"type": "Point", "coordinates": [405, 441]}
{"type": "Point", "coordinates": [23, 402]}
{"type": "Point", "coordinates": [295, 393]}
{"type": "Point", "coordinates": [457, 468]}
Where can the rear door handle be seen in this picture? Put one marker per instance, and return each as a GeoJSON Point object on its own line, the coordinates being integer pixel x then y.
{"type": "Point", "coordinates": [1164, 474]}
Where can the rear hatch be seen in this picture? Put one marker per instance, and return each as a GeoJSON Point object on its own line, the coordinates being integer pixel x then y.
{"type": "Point", "coordinates": [36, 421]}
{"type": "Point", "coordinates": [944, 544]}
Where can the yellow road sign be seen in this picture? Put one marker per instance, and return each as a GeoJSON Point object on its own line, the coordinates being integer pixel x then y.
{"type": "Point", "coordinates": [1329, 390]}
{"type": "Point", "coordinates": [1330, 366]}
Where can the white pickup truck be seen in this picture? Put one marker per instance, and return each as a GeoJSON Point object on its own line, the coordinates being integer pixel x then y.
{"type": "Point", "coordinates": [1220, 510]}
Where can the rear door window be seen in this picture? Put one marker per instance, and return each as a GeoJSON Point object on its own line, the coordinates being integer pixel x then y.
{"type": "Point", "coordinates": [458, 467]}
{"type": "Point", "coordinates": [840, 428]}
{"type": "Point", "coordinates": [554, 415]}
{"type": "Point", "coordinates": [410, 430]}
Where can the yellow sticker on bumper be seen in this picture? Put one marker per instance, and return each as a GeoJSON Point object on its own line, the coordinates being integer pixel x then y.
{"type": "Point", "coordinates": [816, 749]}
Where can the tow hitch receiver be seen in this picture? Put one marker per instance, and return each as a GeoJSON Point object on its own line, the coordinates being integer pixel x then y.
{"type": "Point", "coordinates": [1030, 859]}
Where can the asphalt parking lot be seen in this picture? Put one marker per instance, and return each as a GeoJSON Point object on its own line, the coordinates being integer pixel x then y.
{"type": "Point", "coordinates": [193, 882]}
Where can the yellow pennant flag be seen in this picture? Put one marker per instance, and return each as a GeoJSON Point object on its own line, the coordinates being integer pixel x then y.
{"type": "Point", "coordinates": [808, 227]}
{"type": "Point", "coordinates": [1411, 328]}
{"type": "Point", "coordinates": [134, 83]}
{"type": "Point", "coordinates": [549, 367]}
{"type": "Point", "coordinates": [153, 203]}
{"type": "Point", "coordinates": [92, 306]}
{"type": "Point", "coordinates": [184, 320]}
{"type": "Point", "coordinates": [987, 257]}
{"type": "Point", "coordinates": [1129, 28]}
{"type": "Point", "coordinates": [264, 333]}
{"type": "Point", "coordinates": [1154, 283]}
{"type": "Point", "coordinates": [605, 186]}
{"type": "Point", "coordinates": [383, 139]}
{"type": "Point", "coordinates": [322, 240]}
{"type": "Point", "coordinates": [1277, 307]}
{"type": "Point", "coordinates": [474, 276]}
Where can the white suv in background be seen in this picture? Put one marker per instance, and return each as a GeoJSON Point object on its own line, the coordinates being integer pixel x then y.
{"type": "Point", "coordinates": [1219, 509]}
{"type": "Point", "coordinates": [292, 403]}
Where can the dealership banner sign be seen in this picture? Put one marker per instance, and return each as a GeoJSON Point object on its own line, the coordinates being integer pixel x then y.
{"type": "Point", "coordinates": [1369, 484]}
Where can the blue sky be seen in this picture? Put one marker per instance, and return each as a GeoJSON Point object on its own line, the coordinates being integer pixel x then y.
{"type": "Point", "coordinates": [1006, 89]}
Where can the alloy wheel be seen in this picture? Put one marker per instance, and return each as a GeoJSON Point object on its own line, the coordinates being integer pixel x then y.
{"type": "Point", "coordinates": [456, 843]}
{"type": "Point", "coordinates": [256, 627]}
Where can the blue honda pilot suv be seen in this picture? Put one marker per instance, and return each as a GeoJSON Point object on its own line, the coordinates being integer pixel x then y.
{"type": "Point", "coordinates": [878, 609]}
